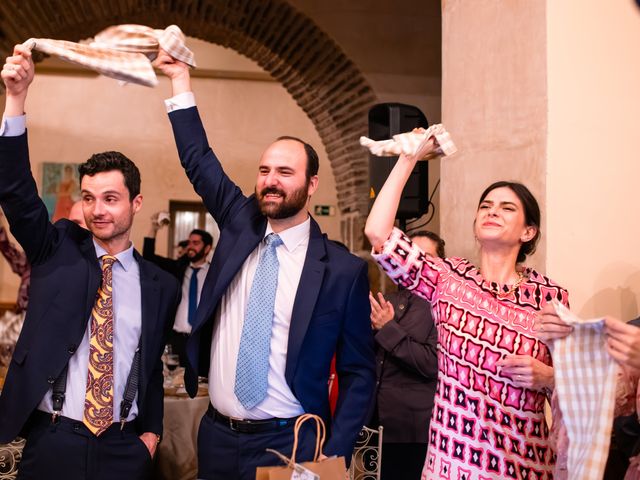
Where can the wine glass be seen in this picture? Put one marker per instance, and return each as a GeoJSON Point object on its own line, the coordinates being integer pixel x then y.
{"type": "Point", "coordinates": [170, 362]}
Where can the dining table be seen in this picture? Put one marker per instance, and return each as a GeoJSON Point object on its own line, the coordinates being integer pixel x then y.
{"type": "Point", "coordinates": [176, 456]}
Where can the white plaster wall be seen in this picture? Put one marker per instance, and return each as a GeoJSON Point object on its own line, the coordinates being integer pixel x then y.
{"type": "Point", "coordinates": [593, 166]}
{"type": "Point", "coordinates": [71, 117]}
{"type": "Point", "coordinates": [494, 105]}
{"type": "Point", "coordinates": [396, 45]}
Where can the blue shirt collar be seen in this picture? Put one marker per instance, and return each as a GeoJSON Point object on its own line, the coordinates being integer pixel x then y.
{"type": "Point", "coordinates": [125, 258]}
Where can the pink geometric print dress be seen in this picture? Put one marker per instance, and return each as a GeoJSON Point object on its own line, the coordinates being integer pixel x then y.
{"type": "Point", "coordinates": [483, 426]}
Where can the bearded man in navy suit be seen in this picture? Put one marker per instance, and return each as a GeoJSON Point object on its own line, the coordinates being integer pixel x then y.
{"type": "Point", "coordinates": [320, 307]}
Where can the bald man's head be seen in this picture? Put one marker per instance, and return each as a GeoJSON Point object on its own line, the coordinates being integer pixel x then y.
{"type": "Point", "coordinates": [76, 214]}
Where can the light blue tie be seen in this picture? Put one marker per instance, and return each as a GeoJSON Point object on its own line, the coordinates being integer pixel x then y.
{"type": "Point", "coordinates": [252, 367]}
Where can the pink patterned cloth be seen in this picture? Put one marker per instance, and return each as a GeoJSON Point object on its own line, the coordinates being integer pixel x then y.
{"type": "Point", "coordinates": [483, 426]}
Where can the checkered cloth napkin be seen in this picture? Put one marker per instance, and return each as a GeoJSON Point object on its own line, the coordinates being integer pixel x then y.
{"type": "Point", "coordinates": [585, 377]}
{"type": "Point", "coordinates": [123, 52]}
{"type": "Point", "coordinates": [409, 143]}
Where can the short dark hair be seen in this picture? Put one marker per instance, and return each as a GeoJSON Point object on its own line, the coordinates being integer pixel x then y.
{"type": "Point", "coordinates": [206, 237]}
{"type": "Point", "coordinates": [431, 236]}
{"type": "Point", "coordinates": [109, 161]}
{"type": "Point", "coordinates": [313, 163]}
{"type": "Point", "coordinates": [531, 213]}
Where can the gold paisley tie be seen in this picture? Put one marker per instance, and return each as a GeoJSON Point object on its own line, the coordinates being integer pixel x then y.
{"type": "Point", "coordinates": [98, 403]}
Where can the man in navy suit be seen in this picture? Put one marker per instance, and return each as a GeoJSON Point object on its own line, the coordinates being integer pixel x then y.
{"type": "Point", "coordinates": [195, 262]}
{"type": "Point", "coordinates": [79, 407]}
{"type": "Point", "coordinates": [321, 306]}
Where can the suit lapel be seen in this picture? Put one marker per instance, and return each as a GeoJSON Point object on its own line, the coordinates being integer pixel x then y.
{"type": "Point", "coordinates": [306, 297]}
{"type": "Point", "coordinates": [149, 292]}
{"type": "Point", "coordinates": [95, 274]}
{"type": "Point", "coordinates": [232, 256]}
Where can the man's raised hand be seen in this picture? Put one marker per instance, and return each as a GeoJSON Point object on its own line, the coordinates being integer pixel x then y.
{"type": "Point", "coordinates": [17, 72]}
{"type": "Point", "coordinates": [176, 70]}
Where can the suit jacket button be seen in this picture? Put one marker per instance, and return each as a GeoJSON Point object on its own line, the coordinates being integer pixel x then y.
{"type": "Point", "coordinates": [401, 306]}
{"type": "Point", "coordinates": [51, 380]}
{"type": "Point", "coordinates": [72, 349]}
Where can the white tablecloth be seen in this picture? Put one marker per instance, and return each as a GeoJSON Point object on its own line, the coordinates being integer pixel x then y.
{"type": "Point", "coordinates": [177, 454]}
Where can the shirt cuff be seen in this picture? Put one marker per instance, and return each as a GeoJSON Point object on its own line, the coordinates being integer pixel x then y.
{"type": "Point", "coordinates": [180, 102]}
{"type": "Point", "coordinates": [13, 126]}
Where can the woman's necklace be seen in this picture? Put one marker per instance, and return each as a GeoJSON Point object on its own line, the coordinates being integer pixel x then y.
{"type": "Point", "coordinates": [505, 291]}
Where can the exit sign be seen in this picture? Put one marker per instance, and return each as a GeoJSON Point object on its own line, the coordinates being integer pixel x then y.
{"type": "Point", "coordinates": [324, 210]}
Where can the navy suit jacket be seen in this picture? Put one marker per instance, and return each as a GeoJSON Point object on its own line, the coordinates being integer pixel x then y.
{"type": "Point", "coordinates": [331, 308]}
{"type": "Point", "coordinates": [65, 278]}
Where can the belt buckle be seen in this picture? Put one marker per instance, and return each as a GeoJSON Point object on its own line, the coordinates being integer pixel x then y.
{"type": "Point", "coordinates": [233, 423]}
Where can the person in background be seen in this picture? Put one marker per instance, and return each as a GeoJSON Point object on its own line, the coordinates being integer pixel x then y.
{"type": "Point", "coordinates": [623, 344]}
{"type": "Point", "coordinates": [190, 270]}
{"type": "Point", "coordinates": [18, 261]}
{"type": "Point", "coordinates": [19, 264]}
{"type": "Point", "coordinates": [180, 249]}
{"type": "Point", "coordinates": [407, 366]}
{"type": "Point", "coordinates": [76, 214]}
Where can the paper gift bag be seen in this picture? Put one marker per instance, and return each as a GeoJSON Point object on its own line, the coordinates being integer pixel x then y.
{"type": "Point", "coordinates": [333, 468]}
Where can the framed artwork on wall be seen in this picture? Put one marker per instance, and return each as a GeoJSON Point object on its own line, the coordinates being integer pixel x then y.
{"type": "Point", "coordinates": [60, 188]}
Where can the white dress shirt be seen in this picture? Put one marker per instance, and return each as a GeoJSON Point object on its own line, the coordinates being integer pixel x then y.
{"type": "Point", "coordinates": [127, 326]}
{"type": "Point", "coordinates": [181, 323]}
{"type": "Point", "coordinates": [229, 320]}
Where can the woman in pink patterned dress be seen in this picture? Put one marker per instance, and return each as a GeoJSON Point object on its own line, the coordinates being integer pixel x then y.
{"type": "Point", "coordinates": [488, 418]}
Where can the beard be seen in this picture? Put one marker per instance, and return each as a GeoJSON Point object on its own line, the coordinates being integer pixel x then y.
{"type": "Point", "coordinates": [197, 254]}
{"type": "Point", "coordinates": [290, 205]}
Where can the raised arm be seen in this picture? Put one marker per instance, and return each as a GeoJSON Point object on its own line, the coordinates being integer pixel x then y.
{"type": "Point", "coordinates": [383, 213]}
{"type": "Point", "coordinates": [149, 248]}
{"type": "Point", "coordinates": [25, 211]}
{"type": "Point", "coordinates": [220, 195]}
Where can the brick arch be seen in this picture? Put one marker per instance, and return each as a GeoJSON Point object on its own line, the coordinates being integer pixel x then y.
{"type": "Point", "coordinates": [324, 82]}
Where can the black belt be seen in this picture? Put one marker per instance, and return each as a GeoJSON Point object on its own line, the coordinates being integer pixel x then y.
{"type": "Point", "coordinates": [251, 426]}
